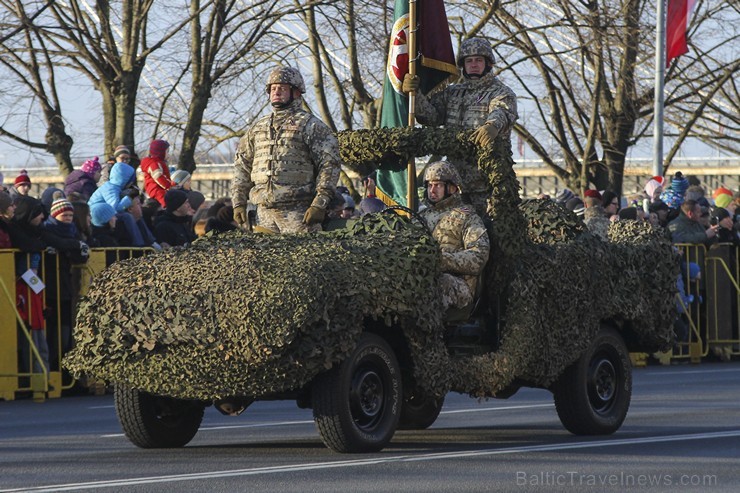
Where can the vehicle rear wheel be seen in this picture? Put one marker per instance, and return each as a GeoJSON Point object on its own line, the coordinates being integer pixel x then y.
{"type": "Point", "coordinates": [593, 395]}
{"type": "Point", "coordinates": [356, 404]}
{"type": "Point", "coordinates": [419, 410]}
{"type": "Point", "coordinates": [152, 421]}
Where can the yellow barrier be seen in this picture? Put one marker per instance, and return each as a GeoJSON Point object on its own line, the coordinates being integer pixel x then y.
{"type": "Point", "coordinates": [58, 326]}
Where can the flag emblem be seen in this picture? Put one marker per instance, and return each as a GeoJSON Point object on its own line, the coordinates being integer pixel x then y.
{"type": "Point", "coordinates": [398, 53]}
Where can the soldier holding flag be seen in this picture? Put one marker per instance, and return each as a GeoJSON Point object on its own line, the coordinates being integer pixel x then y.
{"type": "Point", "coordinates": [480, 102]}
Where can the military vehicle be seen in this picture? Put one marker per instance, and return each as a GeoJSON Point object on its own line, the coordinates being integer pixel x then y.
{"type": "Point", "coordinates": [347, 322]}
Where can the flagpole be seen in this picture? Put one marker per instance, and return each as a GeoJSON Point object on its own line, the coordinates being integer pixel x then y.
{"type": "Point", "coordinates": [659, 91]}
{"type": "Point", "coordinates": [411, 195]}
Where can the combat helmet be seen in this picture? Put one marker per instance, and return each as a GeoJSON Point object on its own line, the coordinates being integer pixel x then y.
{"type": "Point", "coordinates": [442, 171]}
{"type": "Point", "coordinates": [475, 47]}
{"type": "Point", "coordinates": [286, 75]}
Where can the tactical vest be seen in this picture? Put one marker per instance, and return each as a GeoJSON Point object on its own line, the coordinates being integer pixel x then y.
{"type": "Point", "coordinates": [282, 170]}
{"type": "Point", "coordinates": [447, 227]}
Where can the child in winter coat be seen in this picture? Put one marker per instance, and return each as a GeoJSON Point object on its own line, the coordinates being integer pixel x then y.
{"type": "Point", "coordinates": [157, 178]}
{"type": "Point", "coordinates": [84, 180]}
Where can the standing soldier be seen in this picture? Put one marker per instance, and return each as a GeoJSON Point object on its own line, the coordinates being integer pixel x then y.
{"type": "Point", "coordinates": [460, 232]}
{"type": "Point", "coordinates": [287, 164]}
{"type": "Point", "coordinates": [480, 102]}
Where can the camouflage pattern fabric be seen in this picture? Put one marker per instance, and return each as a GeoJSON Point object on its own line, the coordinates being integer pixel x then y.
{"type": "Point", "coordinates": [475, 47]}
{"type": "Point", "coordinates": [469, 105]}
{"type": "Point", "coordinates": [286, 75]}
{"type": "Point", "coordinates": [596, 221]}
{"type": "Point", "coordinates": [288, 220]}
{"type": "Point", "coordinates": [462, 237]}
{"type": "Point", "coordinates": [287, 157]}
{"type": "Point", "coordinates": [454, 292]}
{"type": "Point", "coordinates": [237, 314]}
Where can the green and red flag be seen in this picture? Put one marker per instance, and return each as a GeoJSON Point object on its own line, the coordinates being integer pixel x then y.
{"type": "Point", "coordinates": [435, 65]}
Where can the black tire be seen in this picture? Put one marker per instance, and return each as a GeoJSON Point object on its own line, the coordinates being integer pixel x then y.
{"type": "Point", "coordinates": [152, 421]}
{"type": "Point", "coordinates": [593, 395]}
{"type": "Point", "coordinates": [419, 410]}
{"type": "Point", "coordinates": [356, 404]}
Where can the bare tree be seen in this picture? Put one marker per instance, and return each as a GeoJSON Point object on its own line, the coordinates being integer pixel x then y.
{"type": "Point", "coordinates": [587, 69]}
{"type": "Point", "coordinates": [24, 53]}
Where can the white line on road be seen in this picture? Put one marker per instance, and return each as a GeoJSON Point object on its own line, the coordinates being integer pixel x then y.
{"type": "Point", "coordinates": [373, 461]}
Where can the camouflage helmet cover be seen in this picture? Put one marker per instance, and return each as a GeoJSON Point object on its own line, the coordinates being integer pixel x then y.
{"type": "Point", "coordinates": [286, 75]}
{"type": "Point", "coordinates": [442, 171]}
{"type": "Point", "coordinates": [474, 47]}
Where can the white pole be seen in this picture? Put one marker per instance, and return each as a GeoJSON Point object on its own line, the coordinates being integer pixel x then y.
{"type": "Point", "coordinates": [659, 81]}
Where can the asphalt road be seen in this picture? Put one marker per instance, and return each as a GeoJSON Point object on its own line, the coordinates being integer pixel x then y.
{"type": "Point", "coordinates": [682, 434]}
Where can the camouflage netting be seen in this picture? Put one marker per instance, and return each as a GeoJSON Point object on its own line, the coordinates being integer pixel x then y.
{"type": "Point", "coordinates": [252, 315]}
{"type": "Point", "coordinates": [239, 314]}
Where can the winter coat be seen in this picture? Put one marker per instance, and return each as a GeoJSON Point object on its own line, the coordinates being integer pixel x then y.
{"type": "Point", "coordinates": [173, 230]}
{"type": "Point", "coordinates": [156, 177]}
{"type": "Point", "coordinates": [80, 182]}
{"type": "Point", "coordinates": [104, 237]}
{"type": "Point", "coordinates": [121, 175]}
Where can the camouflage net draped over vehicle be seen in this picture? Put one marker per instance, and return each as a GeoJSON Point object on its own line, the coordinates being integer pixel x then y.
{"type": "Point", "coordinates": [253, 315]}
{"type": "Point", "coordinates": [240, 314]}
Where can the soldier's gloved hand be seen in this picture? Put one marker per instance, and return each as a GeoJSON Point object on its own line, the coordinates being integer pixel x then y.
{"type": "Point", "coordinates": [485, 135]}
{"type": "Point", "coordinates": [410, 83]}
{"type": "Point", "coordinates": [314, 215]}
{"type": "Point", "coordinates": [240, 215]}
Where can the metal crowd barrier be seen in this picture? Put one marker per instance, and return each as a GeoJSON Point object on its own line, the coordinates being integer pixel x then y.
{"type": "Point", "coordinates": [16, 341]}
{"type": "Point", "coordinates": [713, 317]}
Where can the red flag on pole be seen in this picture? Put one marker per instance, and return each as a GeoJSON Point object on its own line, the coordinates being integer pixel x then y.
{"type": "Point", "coordinates": [677, 23]}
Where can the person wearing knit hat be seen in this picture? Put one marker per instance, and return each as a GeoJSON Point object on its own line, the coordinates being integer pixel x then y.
{"type": "Point", "coordinates": [181, 178]}
{"type": "Point", "coordinates": [104, 220]}
{"type": "Point", "coordinates": [564, 196]}
{"type": "Point", "coordinates": [21, 185]}
{"type": "Point", "coordinates": [157, 178]}
{"type": "Point", "coordinates": [654, 187]}
{"type": "Point", "coordinates": [62, 210]}
{"type": "Point", "coordinates": [671, 198]}
{"type": "Point", "coordinates": [679, 184]}
{"type": "Point", "coordinates": [173, 227]}
{"type": "Point", "coordinates": [84, 181]}
{"type": "Point", "coordinates": [723, 200]}
{"type": "Point", "coordinates": [122, 154]}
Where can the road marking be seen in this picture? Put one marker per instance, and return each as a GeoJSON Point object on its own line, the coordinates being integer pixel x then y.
{"type": "Point", "coordinates": [116, 483]}
{"type": "Point", "coordinates": [689, 372]}
{"type": "Point", "coordinates": [502, 408]}
{"type": "Point", "coordinates": [305, 422]}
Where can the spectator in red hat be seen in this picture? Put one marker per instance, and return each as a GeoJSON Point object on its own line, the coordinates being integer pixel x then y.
{"type": "Point", "coordinates": [157, 178]}
{"type": "Point", "coordinates": [21, 186]}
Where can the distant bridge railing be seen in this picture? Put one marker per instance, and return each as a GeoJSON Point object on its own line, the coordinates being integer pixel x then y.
{"type": "Point", "coordinates": [213, 180]}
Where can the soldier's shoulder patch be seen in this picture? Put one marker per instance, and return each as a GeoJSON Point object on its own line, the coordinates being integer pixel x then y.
{"type": "Point", "coordinates": [465, 209]}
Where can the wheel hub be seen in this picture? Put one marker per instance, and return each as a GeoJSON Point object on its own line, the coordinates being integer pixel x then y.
{"type": "Point", "coordinates": [602, 385]}
{"type": "Point", "coordinates": [366, 398]}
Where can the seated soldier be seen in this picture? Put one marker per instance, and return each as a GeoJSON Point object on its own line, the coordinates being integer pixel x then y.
{"type": "Point", "coordinates": [460, 233]}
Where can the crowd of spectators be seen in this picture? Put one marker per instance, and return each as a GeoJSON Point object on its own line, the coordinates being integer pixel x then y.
{"type": "Point", "coordinates": [683, 209]}
{"type": "Point", "coordinates": [100, 206]}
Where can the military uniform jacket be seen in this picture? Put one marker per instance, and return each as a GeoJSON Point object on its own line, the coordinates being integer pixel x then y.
{"type": "Point", "coordinates": [462, 238]}
{"type": "Point", "coordinates": [469, 105]}
{"type": "Point", "coordinates": [287, 158]}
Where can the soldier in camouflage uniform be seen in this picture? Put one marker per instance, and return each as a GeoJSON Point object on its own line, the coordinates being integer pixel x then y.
{"type": "Point", "coordinates": [460, 233]}
{"type": "Point", "coordinates": [480, 102]}
{"type": "Point", "coordinates": [287, 164]}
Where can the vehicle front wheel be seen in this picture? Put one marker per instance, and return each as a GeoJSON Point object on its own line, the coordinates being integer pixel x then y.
{"type": "Point", "coordinates": [593, 395]}
{"type": "Point", "coordinates": [356, 404]}
{"type": "Point", "coordinates": [152, 421]}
